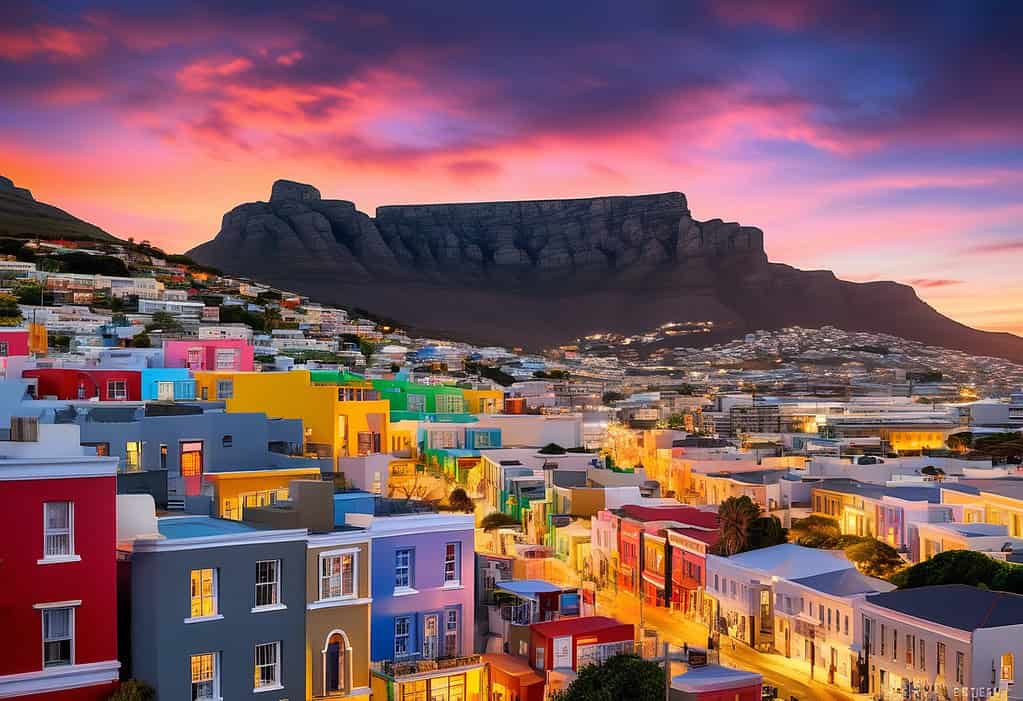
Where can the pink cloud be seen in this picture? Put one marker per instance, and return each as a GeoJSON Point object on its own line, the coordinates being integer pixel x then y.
{"type": "Point", "coordinates": [52, 41]}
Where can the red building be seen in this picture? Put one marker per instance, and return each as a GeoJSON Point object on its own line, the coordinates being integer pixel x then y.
{"type": "Point", "coordinates": [58, 567]}
{"type": "Point", "coordinates": [687, 552]}
{"type": "Point", "coordinates": [512, 679]}
{"type": "Point", "coordinates": [711, 682]}
{"type": "Point", "coordinates": [13, 342]}
{"type": "Point", "coordinates": [570, 643]}
{"type": "Point", "coordinates": [86, 383]}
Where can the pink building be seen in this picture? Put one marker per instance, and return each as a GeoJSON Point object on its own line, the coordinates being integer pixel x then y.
{"type": "Point", "coordinates": [13, 342]}
{"type": "Point", "coordinates": [209, 354]}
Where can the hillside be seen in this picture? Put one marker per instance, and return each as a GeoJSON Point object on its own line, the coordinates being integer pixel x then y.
{"type": "Point", "coordinates": [22, 216]}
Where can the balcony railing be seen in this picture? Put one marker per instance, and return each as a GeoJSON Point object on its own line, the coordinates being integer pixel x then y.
{"type": "Point", "coordinates": [406, 668]}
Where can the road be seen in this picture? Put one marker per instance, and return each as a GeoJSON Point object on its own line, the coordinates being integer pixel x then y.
{"type": "Point", "coordinates": [676, 629]}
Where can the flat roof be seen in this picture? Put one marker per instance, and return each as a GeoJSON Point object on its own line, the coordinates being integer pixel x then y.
{"type": "Point", "coordinates": [175, 527]}
{"type": "Point", "coordinates": [526, 587]}
{"type": "Point", "coordinates": [958, 606]}
{"type": "Point", "coordinates": [931, 495]}
{"type": "Point", "coordinates": [714, 677]}
{"type": "Point", "coordinates": [577, 626]}
{"type": "Point", "coordinates": [1011, 487]}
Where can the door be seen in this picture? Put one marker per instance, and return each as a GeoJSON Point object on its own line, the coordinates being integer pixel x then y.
{"type": "Point", "coordinates": [165, 391]}
{"type": "Point", "coordinates": [563, 652]}
{"type": "Point", "coordinates": [333, 666]}
{"type": "Point", "coordinates": [191, 467]}
{"type": "Point", "coordinates": [431, 627]}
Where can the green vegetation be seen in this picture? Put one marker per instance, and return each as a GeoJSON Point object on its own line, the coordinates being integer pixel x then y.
{"type": "Point", "coordinates": [499, 520]}
{"type": "Point", "coordinates": [871, 556]}
{"type": "Point", "coordinates": [163, 321]}
{"type": "Point", "coordinates": [815, 531]}
{"type": "Point", "coordinates": [743, 528]}
{"type": "Point", "coordinates": [142, 340]}
{"type": "Point", "coordinates": [133, 690]}
{"type": "Point", "coordinates": [489, 372]}
{"type": "Point", "coordinates": [10, 314]}
{"type": "Point", "coordinates": [609, 397]}
{"type": "Point", "coordinates": [552, 449]}
{"type": "Point", "coordinates": [552, 375]}
{"type": "Point", "coordinates": [620, 677]}
{"type": "Point", "coordinates": [677, 422]}
{"type": "Point", "coordinates": [29, 293]}
{"type": "Point", "coordinates": [962, 567]}
{"type": "Point", "coordinates": [459, 500]}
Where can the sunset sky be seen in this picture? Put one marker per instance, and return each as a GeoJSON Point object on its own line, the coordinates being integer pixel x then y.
{"type": "Point", "coordinates": [883, 141]}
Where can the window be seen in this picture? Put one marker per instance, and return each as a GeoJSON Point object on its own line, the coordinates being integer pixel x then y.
{"type": "Point", "coordinates": [226, 359]}
{"type": "Point", "coordinates": [268, 583]}
{"type": "Point", "coordinates": [191, 458]}
{"type": "Point", "coordinates": [58, 636]}
{"type": "Point", "coordinates": [430, 635]}
{"type": "Point", "coordinates": [451, 633]}
{"type": "Point", "coordinates": [939, 657]}
{"type": "Point", "coordinates": [1008, 667]}
{"type": "Point", "coordinates": [845, 625]}
{"type": "Point", "coordinates": [227, 441]}
{"type": "Point", "coordinates": [117, 389]}
{"type": "Point", "coordinates": [401, 637]}
{"type": "Point", "coordinates": [204, 593]}
{"type": "Point", "coordinates": [163, 456]}
{"type": "Point", "coordinates": [132, 456]}
{"type": "Point", "coordinates": [413, 690]}
{"type": "Point", "coordinates": [403, 568]}
{"type": "Point", "coordinates": [102, 449]}
{"type": "Point", "coordinates": [451, 557]}
{"type": "Point", "coordinates": [540, 658]}
{"type": "Point", "coordinates": [923, 654]}
{"type": "Point", "coordinates": [882, 636]}
{"type": "Point", "coordinates": [195, 359]}
{"type": "Point", "coordinates": [960, 668]}
{"type": "Point", "coordinates": [450, 688]}
{"type": "Point", "coordinates": [895, 646]}
{"type": "Point", "coordinates": [910, 647]}
{"type": "Point", "coordinates": [268, 666]}
{"type": "Point", "coordinates": [337, 575]}
{"type": "Point", "coordinates": [57, 530]}
{"type": "Point", "coordinates": [204, 677]}
{"type": "Point", "coordinates": [450, 403]}
{"type": "Point", "coordinates": [225, 389]}
{"type": "Point", "coordinates": [3, 348]}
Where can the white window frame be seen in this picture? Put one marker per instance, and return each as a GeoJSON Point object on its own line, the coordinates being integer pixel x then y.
{"type": "Point", "coordinates": [341, 554]}
{"type": "Point", "coordinates": [225, 359]}
{"type": "Point", "coordinates": [407, 636]}
{"type": "Point", "coordinates": [455, 562]}
{"type": "Point", "coordinates": [452, 624]}
{"type": "Point", "coordinates": [408, 569]}
{"type": "Point", "coordinates": [273, 649]}
{"type": "Point", "coordinates": [48, 609]}
{"type": "Point", "coordinates": [215, 596]}
{"type": "Point", "coordinates": [119, 396]}
{"type": "Point", "coordinates": [214, 675]}
{"type": "Point", "coordinates": [69, 556]}
{"type": "Point", "coordinates": [225, 389]}
{"type": "Point", "coordinates": [273, 585]}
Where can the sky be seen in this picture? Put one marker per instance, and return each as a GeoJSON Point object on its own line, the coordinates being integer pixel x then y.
{"type": "Point", "coordinates": [883, 141]}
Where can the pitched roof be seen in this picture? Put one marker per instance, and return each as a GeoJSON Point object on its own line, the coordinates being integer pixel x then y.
{"type": "Point", "coordinates": [578, 626]}
{"type": "Point", "coordinates": [876, 491]}
{"type": "Point", "coordinates": [682, 514]}
{"type": "Point", "coordinates": [957, 606]}
{"type": "Point", "coordinates": [790, 561]}
{"type": "Point", "coordinates": [844, 583]}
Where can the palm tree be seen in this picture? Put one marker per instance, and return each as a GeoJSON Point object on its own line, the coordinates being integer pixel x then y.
{"type": "Point", "coordinates": [735, 519]}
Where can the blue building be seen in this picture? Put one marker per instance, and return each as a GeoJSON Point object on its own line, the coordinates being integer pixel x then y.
{"type": "Point", "coordinates": [167, 384]}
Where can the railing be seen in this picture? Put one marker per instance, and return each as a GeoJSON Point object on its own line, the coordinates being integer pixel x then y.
{"type": "Point", "coordinates": [406, 668]}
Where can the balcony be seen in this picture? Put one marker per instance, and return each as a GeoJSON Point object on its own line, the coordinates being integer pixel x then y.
{"type": "Point", "coordinates": [398, 669]}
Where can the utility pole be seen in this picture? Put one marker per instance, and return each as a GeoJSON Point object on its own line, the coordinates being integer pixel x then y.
{"type": "Point", "coordinates": [667, 671]}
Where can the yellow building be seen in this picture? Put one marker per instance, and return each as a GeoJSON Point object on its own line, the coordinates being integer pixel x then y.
{"type": "Point", "coordinates": [232, 491]}
{"type": "Point", "coordinates": [483, 401]}
{"type": "Point", "coordinates": [339, 421]}
{"type": "Point", "coordinates": [996, 501]}
{"type": "Point", "coordinates": [462, 678]}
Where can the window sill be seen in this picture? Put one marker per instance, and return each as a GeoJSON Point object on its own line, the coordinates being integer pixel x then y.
{"type": "Point", "coordinates": [59, 559]}
{"type": "Point", "coordinates": [404, 591]}
{"type": "Point", "coordinates": [453, 585]}
{"type": "Point", "coordinates": [261, 689]}
{"type": "Point", "coordinates": [266, 609]}
{"type": "Point", "coordinates": [332, 603]}
{"type": "Point", "coordinates": [203, 619]}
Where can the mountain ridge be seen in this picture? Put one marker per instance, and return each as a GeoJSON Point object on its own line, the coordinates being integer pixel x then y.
{"type": "Point", "coordinates": [22, 215]}
{"type": "Point", "coordinates": [544, 272]}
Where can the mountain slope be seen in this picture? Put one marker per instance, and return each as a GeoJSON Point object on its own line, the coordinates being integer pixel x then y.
{"type": "Point", "coordinates": [544, 272]}
{"type": "Point", "coordinates": [23, 217]}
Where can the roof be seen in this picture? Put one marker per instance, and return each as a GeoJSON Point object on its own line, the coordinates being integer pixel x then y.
{"type": "Point", "coordinates": [708, 537]}
{"type": "Point", "coordinates": [751, 476]}
{"type": "Point", "coordinates": [513, 666]}
{"type": "Point", "coordinates": [175, 527]}
{"type": "Point", "coordinates": [682, 514]}
{"type": "Point", "coordinates": [714, 677]}
{"type": "Point", "coordinates": [956, 606]}
{"type": "Point", "coordinates": [876, 491]}
{"type": "Point", "coordinates": [844, 583]}
{"type": "Point", "coordinates": [578, 626]}
{"type": "Point", "coordinates": [1011, 487]}
{"type": "Point", "coordinates": [529, 587]}
{"type": "Point", "coordinates": [790, 561]}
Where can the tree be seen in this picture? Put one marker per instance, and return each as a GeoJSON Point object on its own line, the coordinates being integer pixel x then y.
{"type": "Point", "coordinates": [620, 677]}
{"type": "Point", "coordinates": [10, 314]}
{"type": "Point", "coordinates": [767, 531]}
{"type": "Point", "coordinates": [142, 340]}
{"type": "Point", "coordinates": [367, 348]}
{"type": "Point", "coordinates": [498, 519]}
{"type": "Point", "coordinates": [163, 321]}
{"type": "Point", "coordinates": [735, 519]}
{"type": "Point", "coordinates": [552, 449]}
{"type": "Point", "coordinates": [816, 532]}
{"type": "Point", "coordinates": [609, 397]}
{"type": "Point", "coordinates": [677, 421]}
{"type": "Point", "coordinates": [29, 293]}
{"type": "Point", "coordinates": [961, 442]}
{"type": "Point", "coordinates": [459, 500]}
{"type": "Point", "coordinates": [874, 558]}
{"type": "Point", "coordinates": [962, 567]}
{"type": "Point", "coordinates": [133, 690]}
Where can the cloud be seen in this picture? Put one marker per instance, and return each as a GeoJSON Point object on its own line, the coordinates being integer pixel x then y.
{"type": "Point", "coordinates": [474, 169]}
{"type": "Point", "coordinates": [933, 282]}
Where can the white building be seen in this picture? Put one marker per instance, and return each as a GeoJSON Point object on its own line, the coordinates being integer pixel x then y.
{"type": "Point", "coordinates": [151, 306]}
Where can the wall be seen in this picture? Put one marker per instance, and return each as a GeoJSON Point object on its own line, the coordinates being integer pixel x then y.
{"type": "Point", "coordinates": [162, 643]}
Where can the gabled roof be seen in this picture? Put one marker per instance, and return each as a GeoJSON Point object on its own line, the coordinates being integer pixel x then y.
{"type": "Point", "coordinates": [578, 626]}
{"type": "Point", "coordinates": [847, 582]}
{"type": "Point", "coordinates": [956, 606]}
{"type": "Point", "coordinates": [682, 514]}
{"type": "Point", "coordinates": [876, 491]}
{"type": "Point", "coordinates": [790, 561]}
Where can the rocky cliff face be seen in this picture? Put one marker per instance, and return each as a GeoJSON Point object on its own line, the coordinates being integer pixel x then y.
{"type": "Point", "coordinates": [540, 272]}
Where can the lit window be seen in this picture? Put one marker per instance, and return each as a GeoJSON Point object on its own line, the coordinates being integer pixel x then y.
{"type": "Point", "coordinates": [337, 575]}
{"type": "Point", "coordinates": [204, 677]}
{"type": "Point", "coordinates": [403, 568]}
{"type": "Point", "coordinates": [57, 529]}
{"type": "Point", "coordinates": [960, 668]}
{"type": "Point", "coordinates": [451, 553]}
{"type": "Point", "coordinates": [132, 456]}
{"type": "Point", "coordinates": [117, 390]}
{"type": "Point", "coordinates": [268, 666]}
{"type": "Point", "coordinates": [401, 637]}
{"type": "Point", "coordinates": [58, 636]}
{"type": "Point", "coordinates": [204, 593]}
{"type": "Point", "coordinates": [268, 583]}
{"type": "Point", "coordinates": [1008, 667]}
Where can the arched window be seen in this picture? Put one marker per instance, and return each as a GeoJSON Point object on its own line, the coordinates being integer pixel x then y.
{"type": "Point", "coordinates": [337, 664]}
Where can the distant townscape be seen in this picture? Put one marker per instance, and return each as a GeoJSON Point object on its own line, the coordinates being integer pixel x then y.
{"type": "Point", "coordinates": [216, 488]}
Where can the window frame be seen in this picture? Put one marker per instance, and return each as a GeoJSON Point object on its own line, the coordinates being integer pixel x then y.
{"type": "Point", "coordinates": [452, 626]}
{"type": "Point", "coordinates": [214, 595]}
{"type": "Point", "coordinates": [274, 586]}
{"type": "Point", "coordinates": [353, 553]}
{"type": "Point", "coordinates": [49, 610]}
{"type": "Point", "coordinates": [221, 385]}
{"type": "Point", "coordinates": [275, 665]}
{"type": "Point", "coordinates": [69, 531]}
{"type": "Point", "coordinates": [121, 396]}
{"type": "Point", "coordinates": [406, 636]}
{"type": "Point", "coordinates": [214, 679]}
{"type": "Point", "coordinates": [409, 569]}
{"type": "Point", "coordinates": [455, 562]}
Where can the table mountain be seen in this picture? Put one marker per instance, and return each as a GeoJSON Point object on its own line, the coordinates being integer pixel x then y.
{"type": "Point", "coordinates": [536, 273]}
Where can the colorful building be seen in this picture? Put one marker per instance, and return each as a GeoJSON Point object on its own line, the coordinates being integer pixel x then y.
{"type": "Point", "coordinates": [85, 383]}
{"type": "Point", "coordinates": [216, 354]}
{"type": "Point", "coordinates": [560, 648]}
{"type": "Point", "coordinates": [58, 602]}
{"type": "Point", "coordinates": [167, 384]}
